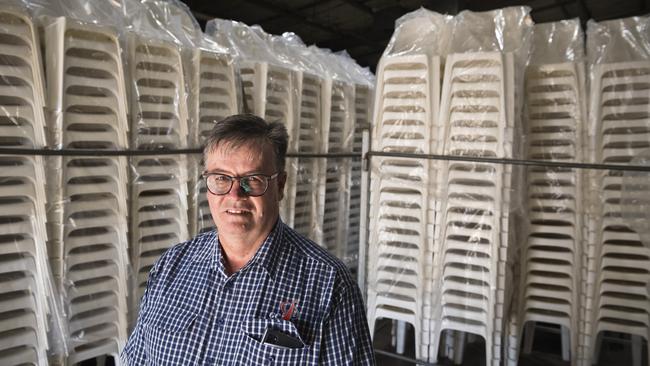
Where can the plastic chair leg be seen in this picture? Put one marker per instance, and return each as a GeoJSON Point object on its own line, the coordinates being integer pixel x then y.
{"type": "Point", "coordinates": [529, 337]}
{"type": "Point", "coordinates": [566, 343]}
{"type": "Point", "coordinates": [459, 347]}
{"type": "Point", "coordinates": [401, 336]}
{"type": "Point", "coordinates": [637, 348]}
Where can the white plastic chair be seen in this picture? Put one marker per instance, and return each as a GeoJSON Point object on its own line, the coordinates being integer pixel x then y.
{"type": "Point", "coordinates": [477, 111]}
{"type": "Point", "coordinates": [615, 252]}
{"type": "Point", "coordinates": [400, 243]}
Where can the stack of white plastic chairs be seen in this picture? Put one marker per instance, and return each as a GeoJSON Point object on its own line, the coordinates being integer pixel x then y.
{"type": "Point", "coordinates": [24, 274]}
{"type": "Point", "coordinates": [337, 129]}
{"type": "Point", "coordinates": [617, 272]}
{"type": "Point", "coordinates": [214, 98]}
{"type": "Point", "coordinates": [307, 141]}
{"type": "Point", "coordinates": [270, 91]}
{"type": "Point", "coordinates": [552, 254]}
{"type": "Point", "coordinates": [362, 115]}
{"type": "Point", "coordinates": [400, 252]}
{"type": "Point", "coordinates": [87, 96]}
{"type": "Point", "coordinates": [159, 190]}
{"type": "Point", "coordinates": [477, 112]}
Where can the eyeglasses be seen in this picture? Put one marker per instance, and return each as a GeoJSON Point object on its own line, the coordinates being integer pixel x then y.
{"type": "Point", "coordinates": [251, 185]}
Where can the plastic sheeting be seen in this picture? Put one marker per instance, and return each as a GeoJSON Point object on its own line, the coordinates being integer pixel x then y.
{"type": "Point", "coordinates": [635, 201]}
{"type": "Point", "coordinates": [87, 214]}
{"type": "Point", "coordinates": [79, 233]}
{"type": "Point", "coordinates": [461, 249]}
{"type": "Point", "coordinates": [31, 326]}
{"type": "Point", "coordinates": [554, 198]}
{"type": "Point", "coordinates": [619, 132]}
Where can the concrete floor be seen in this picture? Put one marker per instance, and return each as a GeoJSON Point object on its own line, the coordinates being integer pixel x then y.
{"type": "Point", "coordinates": [546, 350]}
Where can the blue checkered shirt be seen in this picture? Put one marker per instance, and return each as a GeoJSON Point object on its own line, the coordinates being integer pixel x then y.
{"type": "Point", "coordinates": [192, 313]}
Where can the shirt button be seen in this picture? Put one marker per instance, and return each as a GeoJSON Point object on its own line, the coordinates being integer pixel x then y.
{"type": "Point", "coordinates": [269, 360]}
{"type": "Point", "coordinates": [220, 322]}
{"type": "Point", "coordinates": [210, 360]}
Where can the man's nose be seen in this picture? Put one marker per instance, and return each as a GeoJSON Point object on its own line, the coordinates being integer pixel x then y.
{"type": "Point", "coordinates": [236, 189]}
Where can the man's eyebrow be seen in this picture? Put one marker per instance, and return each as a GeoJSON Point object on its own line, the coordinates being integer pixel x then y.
{"type": "Point", "coordinates": [220, 171]}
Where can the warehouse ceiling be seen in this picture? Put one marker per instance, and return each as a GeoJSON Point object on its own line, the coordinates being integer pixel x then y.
{"type": "Point", "coordinates": [364, 27]}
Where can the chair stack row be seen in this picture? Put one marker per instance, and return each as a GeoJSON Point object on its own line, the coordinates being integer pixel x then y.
{"type": "Point", "coordinates": [617, 261]}
{"type": "Point", "coordinates": [271, 92]}
{"type": "Point", "coordinates": [402, 194]}
{"type": "Point", "coordinates": [159, 184]}
{"type": "Point", "coordinates": [472, 211]}
{"type": "Point", "coordinates": [362, 118]}
{"type": "Point", "coordinates": [319, 113]}
{"type": "Point", "coordinates": [24, 275]}
{"type": "Point", "coordinates": [551, 257]}
{"type": "Point", "coordinates": [306, 170]}
{"type": "Point", "coordinates": [335, 172]}
{"type": "Point", "coordinates": [213, 97]}
{"type": "Point", "coordinates": [89, 247]}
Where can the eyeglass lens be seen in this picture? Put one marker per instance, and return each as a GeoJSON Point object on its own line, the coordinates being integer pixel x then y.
{"type": "Point", "coordinates": [251, 185]}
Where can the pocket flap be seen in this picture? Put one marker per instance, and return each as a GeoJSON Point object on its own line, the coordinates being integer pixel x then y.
{"type": "Point", "coordinates": [173, 319]}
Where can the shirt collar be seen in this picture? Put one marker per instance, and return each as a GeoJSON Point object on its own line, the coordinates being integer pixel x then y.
{"type": "Point", "coordinates": [267, 255]}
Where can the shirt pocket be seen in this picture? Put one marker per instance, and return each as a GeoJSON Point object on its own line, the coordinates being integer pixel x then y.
{"type": "Point", "coordinates": [171, 335]}
{"type": "Point", "coordinates": [254, 352]}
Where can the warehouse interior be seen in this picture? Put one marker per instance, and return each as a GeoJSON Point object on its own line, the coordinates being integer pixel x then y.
{"type": "Point", "coordinates": [482, 168]}
{"type": "Point", "coordinates": [363, 28]}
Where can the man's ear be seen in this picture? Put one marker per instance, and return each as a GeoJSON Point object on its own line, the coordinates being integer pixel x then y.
{"type": "Point", "coordinates": [282, 180]}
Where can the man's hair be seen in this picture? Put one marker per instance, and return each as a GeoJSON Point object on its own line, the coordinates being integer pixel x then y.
{"type": "Point", "coordinates": [247, 129]}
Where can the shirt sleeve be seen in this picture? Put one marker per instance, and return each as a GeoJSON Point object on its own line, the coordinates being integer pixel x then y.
{"type": "Point", "coordinates": [346, 337]}
{"type": "Point", "coordinates": [134, 352]}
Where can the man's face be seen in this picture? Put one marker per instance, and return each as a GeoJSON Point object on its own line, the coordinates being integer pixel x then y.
{"type": "Point", "coordinates": [235, 214]}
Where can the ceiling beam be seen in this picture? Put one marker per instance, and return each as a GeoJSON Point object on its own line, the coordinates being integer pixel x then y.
{"type": "Point", "coordinates": [310, 21]}
{"type": "Point", "coordinates": [563, 8]}
{"type": "Point", "coordinates": [353, 3]}
{"type": "Point", "coordinates": [552, 6]}
{"type": "Point", "coordinates": [359, 6]}
{"type": "Point", "coordinates": [302, 8]}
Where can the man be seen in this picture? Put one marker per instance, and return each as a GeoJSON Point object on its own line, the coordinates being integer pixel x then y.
{"type": "Point", "coordinates": [252, 292]}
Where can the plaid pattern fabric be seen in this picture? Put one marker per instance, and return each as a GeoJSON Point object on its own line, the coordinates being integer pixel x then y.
{"type": "Point", "coordinates": [193, 314]}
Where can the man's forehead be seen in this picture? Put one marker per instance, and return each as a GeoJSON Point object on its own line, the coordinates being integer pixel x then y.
{"type": "Point", "coordinates": [252, 148]}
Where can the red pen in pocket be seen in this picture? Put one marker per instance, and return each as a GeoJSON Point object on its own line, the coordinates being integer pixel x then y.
{"type": "Point", "coordinates": [287, 309]}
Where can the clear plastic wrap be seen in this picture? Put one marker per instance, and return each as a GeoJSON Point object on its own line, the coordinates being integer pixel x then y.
{"type": "Point", "coordinates": [303, 171]}
{"type": "Point", "coordinates": [557, 42]}
{"type": "Point", "coordinates": [169, 19]}
{"type": "Point", "coordinates": [635, 200]}
{"type": "Point", "coordinates": [243, 42]}
{"type": "Point", "coordinates": [212, 97]}
{"type": "Point", "coordinates": [88, 215]}
{"type": "Point", "coordinates": [337, 135]}
{"type": "Point", "coordinates": [364, 82]}
{"type": "Point", "coordinates": [360, 75]}
{"type": "Point", "coordinates": [31, 311]}
{"type": "Point", "coordinates": [420, 32]}
{"type": "Point", "coordinates": [402, 190]}
{"type": "Point", "coordinates": [618, 40]}
{"type": "Point", "coordinates": [161, 54]}
{"type": "Point", "coordinates": [551, 233]}
{"type": "Point", "coordinates": [619, 125]}
{"type": "Point", "coordinates": [441, 233]}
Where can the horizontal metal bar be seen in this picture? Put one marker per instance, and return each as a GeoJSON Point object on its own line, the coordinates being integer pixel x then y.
{"type": "Point", "coordinates": [403, 358]}
{"type": "Point", "coordinates": [354, 156]}
{"type": "Point", "coordinates": [153, 152]}
{"type": "Point", "coordinates": [93, 152]}
{"type": "Point", "coordinates": [557, 164]}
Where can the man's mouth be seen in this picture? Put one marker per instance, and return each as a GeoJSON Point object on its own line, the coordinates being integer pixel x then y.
{"type": "Point", "coordinates": [234, 211]}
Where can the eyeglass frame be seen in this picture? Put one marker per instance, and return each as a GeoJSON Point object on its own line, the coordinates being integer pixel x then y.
{"type": "Point", "coordinates": [238, 179]}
